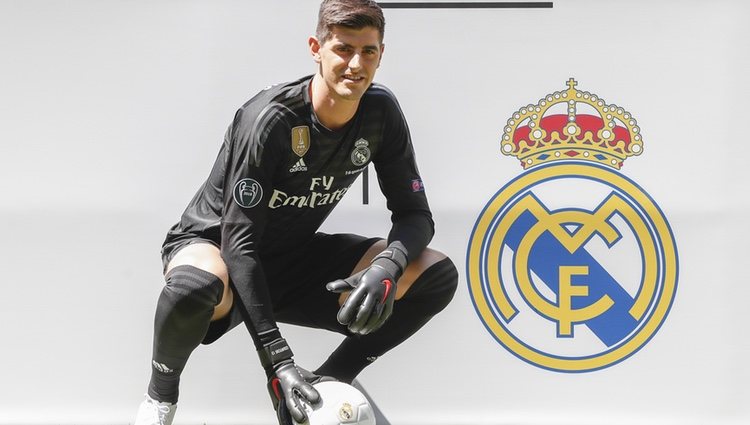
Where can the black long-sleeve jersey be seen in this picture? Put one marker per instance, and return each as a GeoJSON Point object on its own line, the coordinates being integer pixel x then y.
{"type": "Point", "coordinates": [280, 172]}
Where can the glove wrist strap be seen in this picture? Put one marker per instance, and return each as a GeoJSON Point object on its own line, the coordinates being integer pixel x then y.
{"type": "Point", "coordinates": [274, 353]}
{"type": "Point", "coordinates": [395, 254]}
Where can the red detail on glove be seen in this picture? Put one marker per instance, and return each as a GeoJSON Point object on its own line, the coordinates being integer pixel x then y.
{"type": "Point", "coordinates": [388, 285]}
{"type": "Point", "coordinates": [276, 390]}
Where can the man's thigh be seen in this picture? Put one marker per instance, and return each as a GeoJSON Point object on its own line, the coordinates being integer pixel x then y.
{"type": "Point", "coordinates": [297, 280]}
{"type": "Point", "coordinates": [299, 288]}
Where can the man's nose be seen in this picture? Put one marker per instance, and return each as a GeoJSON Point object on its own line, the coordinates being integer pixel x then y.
{"type": "Point", "coordinates": [355, 62]}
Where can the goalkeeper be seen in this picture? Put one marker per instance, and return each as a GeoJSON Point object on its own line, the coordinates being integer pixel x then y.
{"type": "Point", "coordinates": [247, 247]}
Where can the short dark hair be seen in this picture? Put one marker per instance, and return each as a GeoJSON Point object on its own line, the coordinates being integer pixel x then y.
{"type": "Point", "coordinates": [354, 14]}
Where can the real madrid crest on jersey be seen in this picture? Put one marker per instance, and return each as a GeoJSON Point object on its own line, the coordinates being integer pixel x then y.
{"type": "Point", "coordinates": [572, 266]}
{"type": "Point", "coordinates": [361, 152]}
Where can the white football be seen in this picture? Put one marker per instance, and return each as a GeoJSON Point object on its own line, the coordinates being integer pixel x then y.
{"type": "Point", "coordinates": [341, 404]}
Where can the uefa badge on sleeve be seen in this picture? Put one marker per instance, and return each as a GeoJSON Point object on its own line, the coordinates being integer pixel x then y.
{"type": "Point", "coordinates": [247, 193]}
{"type": "Point", "coordinates": [572, 266]}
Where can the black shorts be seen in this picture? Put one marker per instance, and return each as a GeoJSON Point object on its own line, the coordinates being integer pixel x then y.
{"type": "Point", "coordinates": [297, 280]}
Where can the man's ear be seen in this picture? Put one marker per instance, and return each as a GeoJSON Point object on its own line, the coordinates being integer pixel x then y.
{"type": "Point", "coordinates": [314, 48]}
{"type": "Point", "coordinates": [382, 50]}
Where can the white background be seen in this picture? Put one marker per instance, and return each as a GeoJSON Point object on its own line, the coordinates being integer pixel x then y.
{"type": "Point", "coordinates": [111, 113]}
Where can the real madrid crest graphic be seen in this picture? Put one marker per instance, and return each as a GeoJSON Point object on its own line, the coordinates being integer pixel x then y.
{"type": "Point", "coordinates": [361, 152]}
{"type": "Point", "coordinates": [572, 266]}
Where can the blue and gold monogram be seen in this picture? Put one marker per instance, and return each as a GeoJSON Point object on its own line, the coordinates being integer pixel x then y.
{"type": "Point", "coordinates": [572, 266]}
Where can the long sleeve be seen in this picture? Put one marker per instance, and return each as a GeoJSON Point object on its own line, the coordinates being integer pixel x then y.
{"type": "Point", "coordinates": [402, 185]}
{"type": "Point", "coordinates": [250, 164]}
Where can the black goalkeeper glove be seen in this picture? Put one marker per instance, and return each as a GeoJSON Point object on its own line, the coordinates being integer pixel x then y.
{"type": "Point", "coordinates": [287, 386]}
{"type": "Point", "coordinates": [373, 291]}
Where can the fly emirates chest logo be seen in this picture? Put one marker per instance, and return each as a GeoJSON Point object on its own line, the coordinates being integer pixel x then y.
{"type": "Point", "coordinates": [322, 190]}
{"type": "Point", "coordinates": [321, 193]}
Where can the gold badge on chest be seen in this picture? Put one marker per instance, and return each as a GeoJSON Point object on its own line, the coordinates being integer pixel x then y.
{"type": "Point", "coordinates": [300, 140]}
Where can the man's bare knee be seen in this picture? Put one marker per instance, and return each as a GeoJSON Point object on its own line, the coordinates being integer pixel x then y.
{"type": "Point", "coordinates": [207, 257]}
{"type": "Point", "coordinates": [415, 269]}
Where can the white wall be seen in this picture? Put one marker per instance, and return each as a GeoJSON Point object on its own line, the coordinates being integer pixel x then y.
{"type": "Point", "coordinates": [111, 113]}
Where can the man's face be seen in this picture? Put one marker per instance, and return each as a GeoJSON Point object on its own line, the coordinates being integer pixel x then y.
{"type": "Point", "coordinates": [348, 60]}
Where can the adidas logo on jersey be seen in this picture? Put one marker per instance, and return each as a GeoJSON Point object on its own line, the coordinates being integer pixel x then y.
{"type": "Point", "coordinates": [298, 166]}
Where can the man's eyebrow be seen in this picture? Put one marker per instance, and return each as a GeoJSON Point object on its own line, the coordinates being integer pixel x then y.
{"type": "Point", "coordinates": [340, 44]}
{"type": "Point", "coordinates": [344, 44]}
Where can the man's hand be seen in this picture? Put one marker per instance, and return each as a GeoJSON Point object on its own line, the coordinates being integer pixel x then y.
{"type": "Point", "coordinates": [373, 291]}
{"type": "Point", "coordinates": [288, 386]}
{"type": "Point", "coordinates": [371, 301]}
{"type": "Point", "coordinates": [288, 390]}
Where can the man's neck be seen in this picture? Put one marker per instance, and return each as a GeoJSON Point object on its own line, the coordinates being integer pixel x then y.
{"type": "Point", "coordinates": [332, 111]}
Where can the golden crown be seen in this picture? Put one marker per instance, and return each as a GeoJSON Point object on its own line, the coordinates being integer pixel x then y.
{"type": "Point", "coordinates": [591, 130]}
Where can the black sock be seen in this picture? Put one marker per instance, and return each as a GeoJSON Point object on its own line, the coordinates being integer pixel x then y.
{"type": "Point", "coordinates": [428, 295]}
{"type": "Point", "coordinates": [183, 315]}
